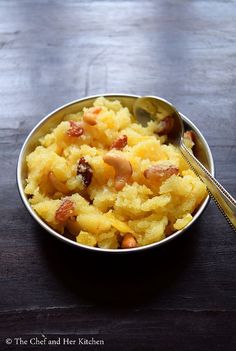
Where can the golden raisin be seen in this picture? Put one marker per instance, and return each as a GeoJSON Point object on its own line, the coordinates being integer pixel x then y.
{"type": "Point", "coordinates": [65, 211]}
{"type": "Point", "coordinates": [158, 173]}
{"type": "Point", "coordinates": [120, 142]}
{"type": "Point", "coordinates": [75, 129]}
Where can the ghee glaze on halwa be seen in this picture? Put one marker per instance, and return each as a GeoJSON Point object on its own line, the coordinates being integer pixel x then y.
{"type": "Point", "coordinates": [110, 182]}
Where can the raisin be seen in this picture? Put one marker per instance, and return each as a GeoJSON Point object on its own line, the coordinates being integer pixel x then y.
{"type": "Point", "coordinates": [120, 142]}
{"type": "Point", "coordinates": [165, 126]}
{"type": "Point", "coordinates": [75, 129]}
{"type": "Point", "coordinates": [65, 211]}
{"type": "Point", "coordinates": [85, 171]}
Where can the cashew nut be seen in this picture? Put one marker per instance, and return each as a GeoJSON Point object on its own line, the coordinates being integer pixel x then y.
{"type": "Point", "coordinates": [90, 117]}
{"type": "Point", "coordinates": [57, 184]}
{"type": "Point", "coordinates": [128, 242]}
{"type": "Point", "coordinates": [122, 167]}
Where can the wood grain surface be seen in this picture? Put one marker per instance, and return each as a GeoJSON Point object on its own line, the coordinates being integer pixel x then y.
{"type": "Point", "coordinates": [179, 297]}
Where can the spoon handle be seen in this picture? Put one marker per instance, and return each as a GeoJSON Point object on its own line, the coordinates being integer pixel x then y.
{"type": "Point", "coordinates": [225, 202]}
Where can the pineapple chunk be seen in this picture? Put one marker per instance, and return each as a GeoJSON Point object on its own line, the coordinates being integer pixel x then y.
{"type": "Point", "coordinates": [182, 222]}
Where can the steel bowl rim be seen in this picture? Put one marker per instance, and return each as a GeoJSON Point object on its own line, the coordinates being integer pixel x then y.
{"type": "Point", "coordinates": [96, 249]}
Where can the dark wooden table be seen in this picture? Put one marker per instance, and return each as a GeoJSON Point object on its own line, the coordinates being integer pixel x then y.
{"type": "Point", "coordinates": [179, 297]}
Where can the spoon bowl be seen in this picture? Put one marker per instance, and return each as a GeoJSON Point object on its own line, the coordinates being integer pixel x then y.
{"type": "Point", "coordinates": [150, 107]}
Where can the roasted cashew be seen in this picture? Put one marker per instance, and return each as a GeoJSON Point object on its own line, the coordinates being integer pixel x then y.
{"type": "Point", "coordinates": [122, 167]}
{"type": "Point", "coordinates": [57, 184]}
{"type": "Point", "coordinates": [128, 242]}
{"type": "Point", "coordinates": [90, 117]}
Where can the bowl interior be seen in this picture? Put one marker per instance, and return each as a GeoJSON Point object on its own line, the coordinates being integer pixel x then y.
{"type": "Point", "coordinates": [201, 151]}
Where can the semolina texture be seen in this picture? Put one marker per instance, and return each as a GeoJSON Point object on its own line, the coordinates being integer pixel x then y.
{"type": "Point", "coordinates": [99, 175]}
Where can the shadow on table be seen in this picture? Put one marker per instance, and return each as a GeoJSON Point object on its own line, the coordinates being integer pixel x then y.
{"type": "Point", "coordinates": [123, 279]}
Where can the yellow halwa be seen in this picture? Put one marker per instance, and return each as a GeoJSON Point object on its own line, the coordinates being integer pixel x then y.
{"type": "Point", "coordinates": [110, 182]}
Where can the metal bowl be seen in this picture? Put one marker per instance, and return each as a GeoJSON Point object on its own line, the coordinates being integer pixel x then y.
{"type": "Point", "coordinates": [202, 152]}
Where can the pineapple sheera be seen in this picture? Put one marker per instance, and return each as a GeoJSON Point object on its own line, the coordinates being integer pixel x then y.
{"type": "Point", "coordinates": [106, 181]}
